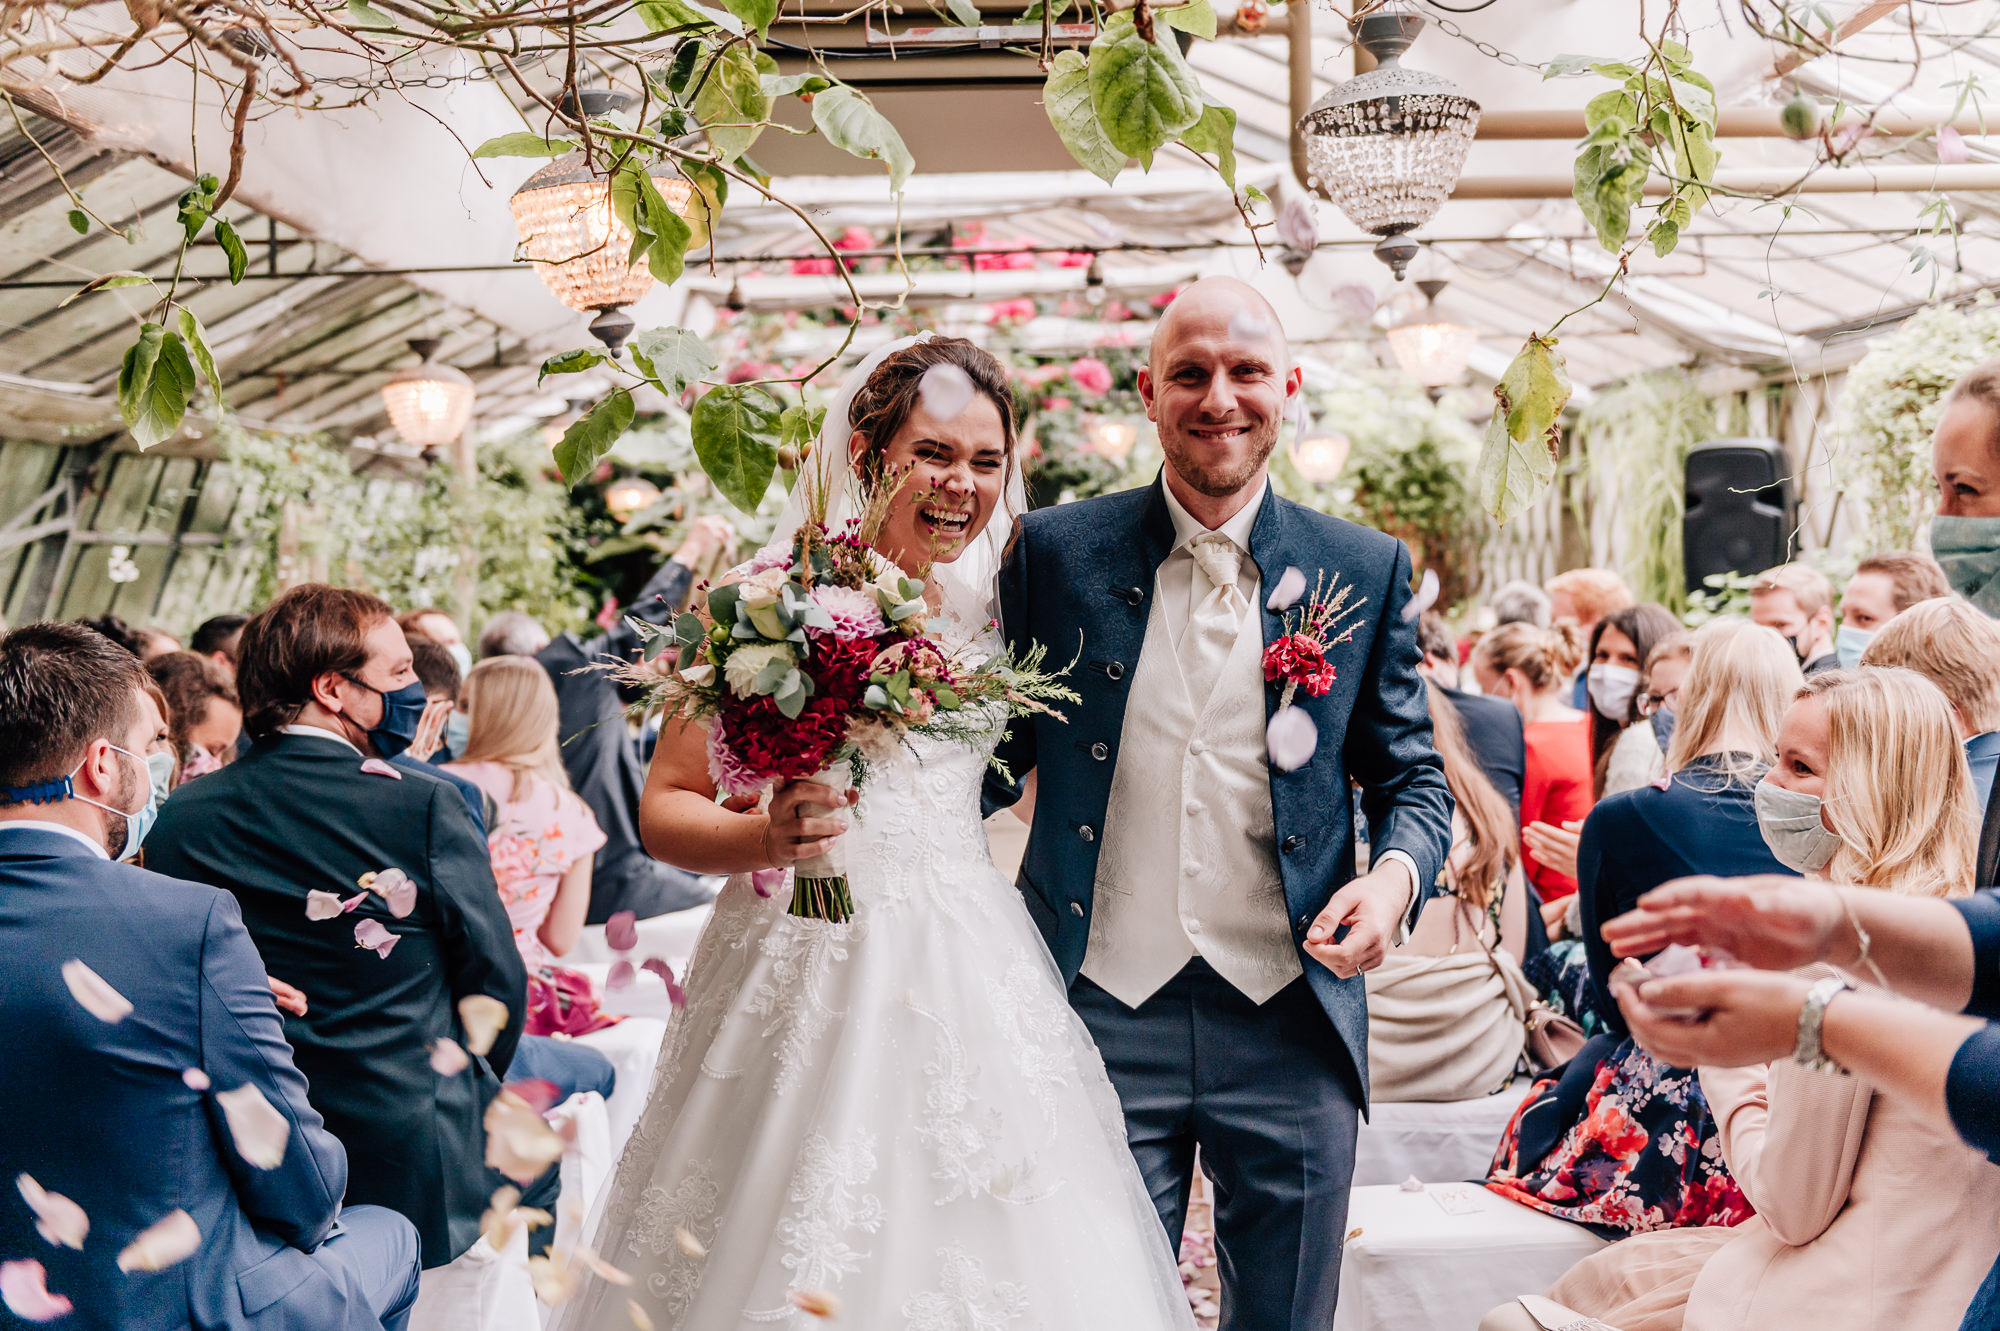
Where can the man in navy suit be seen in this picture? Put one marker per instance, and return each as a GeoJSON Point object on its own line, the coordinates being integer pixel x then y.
{"type": "Point", "coordinates": [134, 1018]}
{"type": "Point", "coordinates": [1201, 901]}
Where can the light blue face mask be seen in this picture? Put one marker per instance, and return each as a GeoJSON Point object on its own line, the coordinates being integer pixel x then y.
{"type": "Point", "coordinates": [1849, 643]}
{"type": "Point", "coordinates": [461, 656]}
{"type": "Point", "coordinates": [1968, 549]}
{"type": "Point", "coordinates": [457, 732]}
{"type": "Point", "coordinates": [138, 821]}
{"type": "Point", "coordinates": [1790, 822]}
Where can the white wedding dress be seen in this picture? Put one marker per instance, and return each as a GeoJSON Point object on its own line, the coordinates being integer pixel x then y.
{"type": "Point", "coordinates": [901, 1111]}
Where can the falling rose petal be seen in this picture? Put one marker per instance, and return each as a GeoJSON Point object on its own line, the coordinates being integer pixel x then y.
{"type": "Point", "coordinates": [1248, 326]}
{"type": "Point", "coordinates": [537, 1091]}
{"type": "Point", "coordinates": [260, 1132]}
{"type": "Point", "coordinates": [946, 391]}
{"type": "Point", "coordinates": [602, 1269]}
{"type": "Point", "coordinates": [447, 1058]}
{"type": "Point", "coordinates": [641, 1320]}
{"type": "Point", "coordinates": [1426, 597]}
{"type": "Point", "coordinates": [24, 1289]}
{"type": "Point", "coordinates": [1291, 586]}
{"type": "Point", "coordinates": [766, 881]}
{"type": "Point", "coordinates": [816, 1303]}
{"type": "Point", "coordinates": [675, 994]}
{"type": "Point", "coordinates": [1298, 225]}
{"type": "Point", "coordinates": [688, 1243]}
{"type": "Point", "coordinates": [394, 886]}
{"type": "Point", "coordinates": [375, 936]}
{"type": "Point", "coordinates": [519, 1141]}
{"type": "Point", "coordinates": [1951, 145]}
{"type": "Point", "coordinates": [483, 1017]}
{"type": "Point", "coordinates": [1678, 959]}
{"type": "Point", "coordinates": [497, 1221]}
{"type": "Point", "coordinates": [161, 1244]}
{"type": "Point", "coordinates": [96, 997]}
{"type": "Point", "coordinates": [323, 905]}
{"type": "Point", "coordinates": [1412, 1184]}
{"type": "Point", "coordinates": [347, 906]}
{"type": "Point", "coordinates": [57, 1218]}
{"type": "Point", "coordinates": [376, 767]}
{"type": "Point", "coordinates": [621, 975]}
{"type": "Point", "coordinates": [1291, 737]}
{"type": "Point", "coordinates": [196, 1079]}
{"type": "Point", "coordinates": [621, 931]}
{"type": "Point", "coordinates": [553, 1282]}
{"type": "Point", "coordinates": [1299, 415]}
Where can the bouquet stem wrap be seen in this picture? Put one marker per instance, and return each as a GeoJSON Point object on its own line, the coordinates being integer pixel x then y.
{"type": "Point", "coordinates": [819, 884]}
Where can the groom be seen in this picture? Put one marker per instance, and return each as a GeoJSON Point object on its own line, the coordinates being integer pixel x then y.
{"type": "Point", "coordinates": [1202, 904]}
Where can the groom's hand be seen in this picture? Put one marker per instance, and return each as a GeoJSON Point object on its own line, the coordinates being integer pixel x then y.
{"type": "Point", "coordinates": [1368, 909]}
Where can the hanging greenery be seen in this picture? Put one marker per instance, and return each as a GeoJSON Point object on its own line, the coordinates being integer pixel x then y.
{"type": "Point", "coordinates": [1634, 439]}
{"type": "Point", "coordinates": [1888, 409]}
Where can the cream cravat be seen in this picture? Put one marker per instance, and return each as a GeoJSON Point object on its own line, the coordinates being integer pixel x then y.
{"type": "Point", "coordinates": [1218, 615]}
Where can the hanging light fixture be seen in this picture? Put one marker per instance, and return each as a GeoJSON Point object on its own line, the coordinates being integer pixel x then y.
{"type": "Point", "coordinates": [571, 234]}
{"type": "Point", "coordinates": [628, 495]}
{"type": "Point", "coordinates": [1113, 439]}
{"type": "Point", "coordinates": [1431, 348]}
{"type": "Point", "coordinates": [1093, 283]}
{"type": "Point", "coordinates": [1387, 145]}
{"type": "Point", "coordinates": [429, 404]}
{"type": "Point", "coordinates": [1319, 456]}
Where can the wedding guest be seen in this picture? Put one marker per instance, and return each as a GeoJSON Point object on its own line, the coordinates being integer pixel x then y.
{"type": "Point", "coordinates": [203, 714]}
{"type": "Point", "coordinates": [1883, 586]}
{"type": "Point", "coordinates": [438, 673]}
{"type": "Point", "coordinates": [1619, 646]}
{"type": "Point", "coordinates": [126, 1118]}
{"type": "Point", "coordinates": [512, 633]}
{"type": "Point", "coordinates": [216, 638]}
{"type": "Point", "coordinates": [1852, 1188]}
{"type": "Point", "coordinates": [442, 629]}
{"type": "Point", "coordinates": [1445, 1010]}
{"type": "Point", "coordinates": [1580, 598]}
{"type": "Point", "coordinates": [1797, 601]}
{"type": "Point", "coordinates": [155, 643]}
{"type": "Point", "coordinates": [1958, 649]}
{"type": "Point", "coordinates": [328, 692]}
{"type": "Point", "coordinates": [116, 629]}
{"type": "Point", "coordinates": [1520, 602]}
{"type": "Point", "coordinates": [1530, 668]}
{"type": "Point", "coordinates": [1492, 727]}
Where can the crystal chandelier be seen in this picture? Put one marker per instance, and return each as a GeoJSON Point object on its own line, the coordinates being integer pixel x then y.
{"type": "Point", "coordinates": [1387, 145]}
{"type": "Point", "coordinates": [429, 404]}
{"type": "Point", "coordinates": [1431, 348]}
{"type": "Point", "coordinates": [576, 242]}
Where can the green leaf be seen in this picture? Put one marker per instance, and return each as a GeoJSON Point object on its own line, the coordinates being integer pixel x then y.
{"type": "Point", "coordinates": [591, 437]}
{"type": "Point", "coordinates": [1664, 235]}
{"type": "Point", "coordinates": [1143, 93]}
{"type": "Point", "coordinates": [964, 11]}
{"type": "Point", "coordinates": [1609, 182]}
{"type": "Point", "coordinates": [232, 248]}
{"type": "Point", "coordinates": [686, 16]}
{"type": "Point", "coordinates": [1518, 459]}
{"type": "Point", "coordinates": [673, 358]}
{"type": "Point", "coordinates": [520, 144]}
{"type": "Point", "coordinates": [1066, 98]}
{"type": "Point", "coordinates": [731, 104]}
{"type": "Point", "coordinates": [755, 13]}
{"type": "Point", "coordinates": [79, 221]}
{"type": "Point", "coordinates": [681, 72]}
{"type": "Point", "coordinates": [735, 436]}
{"type": "Point", "coordinates": [570, 362]}
{"type": "Point", "coordinates": [196, 204]}
{"type": "Point", "coordinates": [1576, 64]}
{"type": "Point", "coordinates": [1215, 133]}
{"type": "Point", "coordinates": [786, 85]}
{"type": "Point", "coordinates": [658, 232]}
{"type": "Point", "coordinates": [851, 123]}
{"type": "Point", "coordinates": [799, 426]}
{"type": "Point", "coordinates": [711, 192]}
{"type": "Point", "coordinates": [1196, 17]}
{"type": "Point", "coordinates": [154, 384]}
{"type": "Point", "coordinates": [1695, 100]}
{"type": "Point", "coordinates": [367, 15]}
{"type": "Point", "coordinates": [196, 338]}
{"type": "Point", "coordinates": [124, 277]}
{"type": "Point", "coordinates": [1613, 106]}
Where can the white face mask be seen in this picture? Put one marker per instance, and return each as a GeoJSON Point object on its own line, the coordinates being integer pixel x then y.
{"type": "Point", "coordinates": [1611, 688]}
{"type": "Point", "coordinates": [1790, 822]}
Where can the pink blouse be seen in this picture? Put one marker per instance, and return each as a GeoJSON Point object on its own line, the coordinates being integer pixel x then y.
{"type": "Point", "coordinates": [534, 841]}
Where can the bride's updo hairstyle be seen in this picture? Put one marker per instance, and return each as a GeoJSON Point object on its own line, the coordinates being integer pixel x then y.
{"type": "Point", "coordinates": [883, 406]}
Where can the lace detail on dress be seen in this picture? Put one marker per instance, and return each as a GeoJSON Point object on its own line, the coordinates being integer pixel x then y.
{"type": "Point", "coordinates": [964, 1139]}
{"type": "Point", "coordinates": [799, 952]}
{"type": "Point", "coordinates": [690, 1205]}
{"type": "Point", "coordinates": [827, 1191]}
{"type": "Point", "coordinates": [1028, 1015]}
{"type": "Point", "coordinates": [964, 1299]}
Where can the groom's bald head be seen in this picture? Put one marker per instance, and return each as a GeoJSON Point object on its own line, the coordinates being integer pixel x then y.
{"type": "Point", "coordinates": [1217, 383]}
{"type": "Point", "coordinates": [1225, 305]}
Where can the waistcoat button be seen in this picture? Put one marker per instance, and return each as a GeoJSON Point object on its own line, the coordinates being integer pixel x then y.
{"type": "Point", "coordinates": [1292, 843]}
{"type": "Point", "coordinates": [1087, 832]}
{"type": "Point", "coordinates": [1100, 751]}
{"type": "Point", "coordinates": [1115, 670]}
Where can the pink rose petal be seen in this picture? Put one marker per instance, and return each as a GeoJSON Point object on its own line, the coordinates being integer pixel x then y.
{"type": "Point", "coordinates": [1676, 959]}
{"type": "Point", "coordinates": [259, 1131]}
{"type": "Point", "coordinates": [394, 886]}
{"type": "Point", "coordinates": [196, 1079]}
{"type": "Point", "coordinates": [96, 997]}
{"type": "Point", "coordinates": [483, 1017]}
{"type": "Point", "coordinates": [347, 906]}
{"type": "Point", "coordinates": [1291, 586]}
{"type": "Point", "coordinates": [24, 1289]}
{"type": "Point", "coordinates": [537, 1091]}
{"type": "Point", "coordinates": [621, 976]}
{"type": "Point", "coordinates": [766, 881]}
{"type": "Point", "coordinates": [519, 1141]}
{"type": "Point", "coordinates": [945, 391]}
{"type": "Point", "coordinates": [162, 1244]}
{"type": "Point", "coordinates": [1291, 738]}
{"type": "Point", "coordinates": [375, 936]}
{"type": "Point", "coordinates": [666, 974]}
{"type": "Point", "coordinates": [816, 1303]}
{"type": "Point", "coordinates": [57, 1218]}
{"type": "Point", "coordinates": [1951, 145]}
{"type": "Point", "coordinates": [447, 1059]}
{"type": "Point", "coordinates": [1426, 597]}
{"type": "Point", "coordinates": [376, 767]}
{"type": "Point", "coordinates": [322, 905]}
{"type": "Point", "coordinates": [621, 931]}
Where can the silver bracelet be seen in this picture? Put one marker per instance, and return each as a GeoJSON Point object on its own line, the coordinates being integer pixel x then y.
{"type": "Point", "coordinates": [1812, 1018]}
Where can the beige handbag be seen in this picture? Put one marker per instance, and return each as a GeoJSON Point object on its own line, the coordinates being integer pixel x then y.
{"type": "Point", "coordinates": [1444, 1028]}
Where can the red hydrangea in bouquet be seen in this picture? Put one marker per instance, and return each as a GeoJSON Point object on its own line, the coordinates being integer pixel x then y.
{"type": "Point", "coordinates": [817, 662]}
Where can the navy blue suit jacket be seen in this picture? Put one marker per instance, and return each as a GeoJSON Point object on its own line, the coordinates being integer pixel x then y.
{"type": "Point", "coordinates": [1080, 577]}
{"type": "Point", "coordinates": [99, 1113]}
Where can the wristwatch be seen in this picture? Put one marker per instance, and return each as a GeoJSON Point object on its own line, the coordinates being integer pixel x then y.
{"type": "Point", "coordinates": [1812, 1017]}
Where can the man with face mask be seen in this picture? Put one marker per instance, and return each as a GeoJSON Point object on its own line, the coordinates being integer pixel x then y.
{"type": "Point", "coordinates": [1965, 532]}
{"type": "Point", "coordinates": [293, 830]}
{"type": "Point", "coordinates": [138, 1028]}
{"type": "Point", "coordinates": [1797, 601]}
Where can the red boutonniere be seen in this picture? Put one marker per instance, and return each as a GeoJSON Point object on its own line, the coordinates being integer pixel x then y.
{"type": "Point", "coordinates": [1298, 657]}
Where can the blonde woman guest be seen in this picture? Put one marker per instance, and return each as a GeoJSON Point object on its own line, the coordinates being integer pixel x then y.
{"type": "Point", "coordinates": [1957, 648]}
{"type": "Point", "coordinates": [1530, 667]}
{"type": "Point", "coordinates": [1869, 1213]}
{"type": "Point", "coordinates": [1445, 1009]}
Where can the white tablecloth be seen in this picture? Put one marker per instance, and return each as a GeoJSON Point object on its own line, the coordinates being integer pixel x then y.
{"type": "Point", "coordinates": [669, 937]}
{"type": "Point", "coordinates": [1434, 1143]}
{"type": "Point", "coordinates": [1411, 1265]}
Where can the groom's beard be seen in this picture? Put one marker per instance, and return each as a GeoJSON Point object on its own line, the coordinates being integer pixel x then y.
{"type": "Point", "coordinates": [1220, 481]}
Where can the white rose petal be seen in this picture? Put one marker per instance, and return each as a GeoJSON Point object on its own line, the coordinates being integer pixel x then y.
{"type": "Point", "coordinates": [1291, 586]}
{"type": "Point", "coordinates": [24, 1289]}
{"type": "Point", "coordinates": [945, 391]}
{"type": "Point", "coordinates": [57, 1218]}
{"type": "Point", "coordinates": [322, 905]}
{"type": "Point", "coordinates": [1426, 597]}
{"type": "Point", "coordinates": [260, 1131]}
{"type": "Point", "coordinates": [688, 1243]}
{"type": "Point", "coordinates": [1291, 738]}
{"type": "Point", "coordinates": [97, 998]}
{"type": "Point", "coordinates": [604, 1270]}
{"type": "Point", "coordinates": [519, 1142]}
{"type": "Point", "coordinates": [196, 1079]}
{"type": "Point", "coordinates": [447, 1058]}
{"type": "Point", "coordinates": [553, 1283]}
{"type": "Point", "coordinates": [163, 1243]}
{"type": "Point", "coordinates": [641, 1319]}
{"type": "Point", "coordinates": [483, 1017]}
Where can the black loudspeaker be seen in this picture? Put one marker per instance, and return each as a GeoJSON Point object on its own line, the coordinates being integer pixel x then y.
{"type": "Point", "coordinates": [1740, 513]}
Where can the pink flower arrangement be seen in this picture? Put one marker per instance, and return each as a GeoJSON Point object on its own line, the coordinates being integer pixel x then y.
{"type": "Point", "coordinates": [1056, 404]}
{"type": "Point", "coordinates": [1116, 311]}
{"type": "Point", "coordinates": [1164, 299]}
{"type": "Point", "coordinates": [1090, 374]}
{"type": "Point", "coordinates": [855, 238]}
{"type": "Point", "coordinates": [746, 370]}
{"type": "Point", "coordinates": [1010, 311]}
{"type": "Point", "coordinates": [855, 613]}
{"type": "Point", "coordinates": [1073, 259]}
{"type": "Point", "coordinates": [818, 266]}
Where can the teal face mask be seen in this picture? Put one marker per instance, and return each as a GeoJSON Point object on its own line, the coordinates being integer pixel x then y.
{"type": "Point", "coordinates": [1849, 643]}
{"type": "Point", "coordinates": [1968, 549]}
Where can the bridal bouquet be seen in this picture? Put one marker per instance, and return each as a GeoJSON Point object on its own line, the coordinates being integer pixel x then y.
{"type": "Point", "coordinates": [819, 662]}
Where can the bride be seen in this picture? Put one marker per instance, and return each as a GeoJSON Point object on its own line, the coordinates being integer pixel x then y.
{"type": "Point", "coordinates": [895, 1120]}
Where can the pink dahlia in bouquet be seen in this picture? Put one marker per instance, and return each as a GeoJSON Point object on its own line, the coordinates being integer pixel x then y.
{"type": "Point", "coordinates": [818, 662]}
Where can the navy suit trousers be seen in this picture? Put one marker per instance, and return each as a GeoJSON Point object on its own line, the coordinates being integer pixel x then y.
{"type": "Point", "coordinates": [1265, 1093]}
